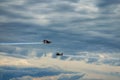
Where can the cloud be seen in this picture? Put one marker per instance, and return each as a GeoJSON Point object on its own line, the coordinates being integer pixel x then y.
{"type": "Point", "coordinates": [24, 54]}
{"type": "Point", "coordinates": [47, 13]}
{"type": "Point", "coordinates": [16, 73]}
{"type": "Point", "coordinates": [72, 25]}
{"type": "Point", "coordinates": [83, 20]}
{"type": "Point", "coordinates": [105, 3]}
{"type": "Point", "coordinates": [101, 63]}
{"type": "Point", "coordinates": [44, 13]}
{"type": "Point", "coordinates": [23, 78]}
{"type": "Point", "coordinates": [83, 65]}
{"type": "Point", "coordinates": [70, 77]}
{"type": "Point", "coordinates": [58, 77]}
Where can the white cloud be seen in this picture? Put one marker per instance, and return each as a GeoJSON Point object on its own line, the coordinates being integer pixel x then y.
{"type": "Point", "coordinates": [74, 66]}
{"type": "Point", "coordinates": [32, 53]}
{"type": "Point", "coordinates": [87, 6]}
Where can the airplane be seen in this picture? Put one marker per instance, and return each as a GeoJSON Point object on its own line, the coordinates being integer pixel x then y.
{"type": "Point", "coordinates": [46, 41]}
{"type": "Point", "coordinates": [59, 54]}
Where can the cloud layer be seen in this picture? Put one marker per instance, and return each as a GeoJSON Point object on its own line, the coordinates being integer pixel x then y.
{"type": "Point", "coordinates": [86, 31]}
{"type": "Point", "coordinates": [15, 73]}
{"type": "Point", "coordinates": [78, 23]}
{"type": "Point", "coordinates": [91, 68]}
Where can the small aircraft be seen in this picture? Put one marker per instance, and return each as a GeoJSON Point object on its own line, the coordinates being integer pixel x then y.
{"type": "Point", "coordinates": [59, 54]}
{"type": "Point", "coordinates": [46, 41]}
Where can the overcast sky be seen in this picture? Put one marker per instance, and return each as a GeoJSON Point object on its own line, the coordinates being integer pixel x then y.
{"type": "Point", "coordinates": [90, 28]}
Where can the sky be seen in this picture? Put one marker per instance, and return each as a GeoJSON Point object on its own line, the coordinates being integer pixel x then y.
{"type": "Point", "coordinates": [86, 31]}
